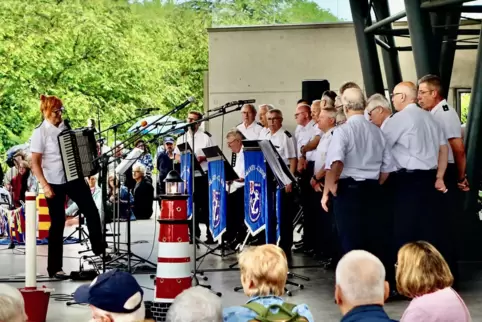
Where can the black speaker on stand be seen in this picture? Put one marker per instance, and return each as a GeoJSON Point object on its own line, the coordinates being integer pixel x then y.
{"type": "Point", "coordinates": [312, 89]}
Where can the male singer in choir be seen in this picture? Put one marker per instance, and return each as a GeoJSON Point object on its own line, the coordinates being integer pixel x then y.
{"type": "Point", "coordinates": [285, 144]}
{"type": "Point", "coordinates": [263, 110]}
{"type": "Point", "coordinates": [49, 171]}
{"type": "Point", "coordinates": [201, 140]}
{"type": "Point", "coordinates": [357, 162]}
{"type": "Point", "coordinates": [379, 110]}
{"type": "Point", "coordinates": [420, 153]}
{"type": "Point", "coordinates": [249, 127]}
{"type": "Point", "coordinates": [235, 219]}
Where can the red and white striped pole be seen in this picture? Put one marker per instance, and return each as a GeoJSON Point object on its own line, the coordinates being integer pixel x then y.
{"type": "Point", "coordinates": [36, 300]}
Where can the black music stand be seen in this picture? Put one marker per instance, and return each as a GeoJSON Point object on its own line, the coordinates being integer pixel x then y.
{"type": "Point", "coordinates": [214, 153]}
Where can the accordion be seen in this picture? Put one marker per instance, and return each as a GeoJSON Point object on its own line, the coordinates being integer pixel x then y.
{"type": "Point", "coordinates": [78, 149]}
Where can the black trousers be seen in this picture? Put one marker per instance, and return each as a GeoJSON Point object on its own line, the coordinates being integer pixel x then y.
{"type": "Point", "coordinates": [307, 202]}
{"type": "Point", "coordinates": [235, 228]}
{"type": "Point", "coordinates": [79, 192]}
{"type": "Point", "coordinates": [453, 211]}
{"type": "Point", "coordinates": [201, 203]}
{"type": "Point", "coordinates": [327, 242]}
{"type": "Point", "coordinates": [286, 222]}
{"type": "Point", "coordinates": [359, 217]}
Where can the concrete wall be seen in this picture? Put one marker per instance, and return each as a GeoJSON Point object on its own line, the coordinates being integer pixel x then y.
{"type": "Point", "coordinates": [268, 63]}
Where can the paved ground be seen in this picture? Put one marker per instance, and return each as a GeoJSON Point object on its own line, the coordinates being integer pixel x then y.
{"type": "Point", "coordinates": [318, 292]}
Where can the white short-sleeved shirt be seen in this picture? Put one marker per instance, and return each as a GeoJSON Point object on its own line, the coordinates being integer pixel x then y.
{"type": "Point", "coordinates": [321, 150]}
{"type": "Point", "coordinates": [449, 121]}
{"type": "Point", "coordinates": [201, 140]}
{"type": "Point", "coordinates": [305, 134]}
{"type": "Point", "coordinates": [263, 134]}
{"type": "Point", "coordinates": [45, 141]}
{"type": "Point", "coordinates": [414, 138]}
{"type": "Point", "coordinates": [239, 169]}
{"type": "Point", "coordinates": [250, 132]}
{"type": "Point", "coordinates": [361, 147]}
{"type": "Point", "coordinates": [284, 143]}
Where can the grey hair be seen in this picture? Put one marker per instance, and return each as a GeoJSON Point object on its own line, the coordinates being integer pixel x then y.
{"type": "Point", "coordinates": [269, 107]}
{"type": "Point", "coordinates": [12, 305]}
{"type": "Point", "coordinates": [139, 167]}
{"type": "Point", "coordinates": [330, 102]}
{"type": "Point", "coordinates": [353, 99]}
{"type": "Point", "coordinates": [361, 278]}
{"type": "Point", "coordinates": [195, 304]}
{"type": "Point", "coordinates": [378, 100]}
{"type": "Point", "coordinates": [252, 107]}
{"type": "Point", "coordinates": [277, 112]}
{"type": "Point", "coordinates": [340, 117]}
{"type": "Point", "coordinates": [234, 133]}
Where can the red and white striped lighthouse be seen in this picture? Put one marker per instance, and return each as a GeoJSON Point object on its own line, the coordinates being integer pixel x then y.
{"type": "Point", "coordinates": [173, 261]}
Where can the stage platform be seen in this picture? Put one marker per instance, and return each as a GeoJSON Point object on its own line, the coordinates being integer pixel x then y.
{"type": "Point", "coordinates": [318, 292]}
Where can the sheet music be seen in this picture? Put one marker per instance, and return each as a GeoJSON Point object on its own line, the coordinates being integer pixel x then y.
{"type": "Point", "coordinates": [275, 162]}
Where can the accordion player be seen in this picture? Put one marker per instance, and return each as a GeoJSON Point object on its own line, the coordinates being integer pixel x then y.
{"type": "Point", "coordinates": [60, 162]}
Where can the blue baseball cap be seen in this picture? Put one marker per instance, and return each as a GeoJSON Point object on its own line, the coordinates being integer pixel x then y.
{"type": "Point", "coordinates": [168, 140]}
{"type": "Point", "coordinates": [110, 292]}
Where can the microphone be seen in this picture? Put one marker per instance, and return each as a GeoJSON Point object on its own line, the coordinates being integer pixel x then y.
{"type": "Point", "coordinates": [233, 103]}
{"type": "Point", "coordinates": [146, 110]}
{"type": "Point", "coordinates": [186, 103]}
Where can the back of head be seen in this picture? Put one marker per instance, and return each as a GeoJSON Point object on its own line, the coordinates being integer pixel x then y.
{"type": "Point", "coordinates": [409, 89]}
{"type": "Point", "coordinates": [347, 85]}
{"type": "Point", "coordinates": [195, 304]}
{"type": "Point", "coordinates": [264, 270]}
{"type": "Point", "coordinates": [12, 305]}
{"type": "Point", "coordinates": [361, 278]}
{"type": "Point", "coordinates": [353, 99]}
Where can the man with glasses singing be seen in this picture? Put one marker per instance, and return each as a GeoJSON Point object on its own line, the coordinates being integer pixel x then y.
{"type": "Point", "coordinates": [419, 151]}
{"type": "Point", "coordinates": [285, 144]}
{"type": "Point", "coordinates": [201, 140]}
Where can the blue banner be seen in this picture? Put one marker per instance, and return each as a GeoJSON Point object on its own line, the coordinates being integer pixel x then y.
{"type": "Point", "coordinates": [279, 209]}
{"type": "Point", "coordinates": [255, 192]}
{"type": "Point", "coordinates": [217, 198]}
{"type": "Point", "coordinates": [186, 175]}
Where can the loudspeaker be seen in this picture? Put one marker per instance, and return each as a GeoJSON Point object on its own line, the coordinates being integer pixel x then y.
{"type": "Point", "coordinates": [313, 89]}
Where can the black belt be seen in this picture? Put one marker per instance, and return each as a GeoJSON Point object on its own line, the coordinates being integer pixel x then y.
{"type": "Point", "coordinates": [416, 171]}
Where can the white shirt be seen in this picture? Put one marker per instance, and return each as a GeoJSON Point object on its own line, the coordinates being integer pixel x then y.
{"type": "Point", "coordinates": [263, 135]}
{"type": "Point", "coordinates": [321, 149]}
{"type": "Point", "coordinates": [449, 121]}
{"type": "Point", "coordinates": [284, 142]}
{"type": "Point", "coordinates": [414, 137]}
{"type": "Point", "coordinates": [201, 141]}
{"type": "Point", "coordinates": [361, 147]}
{"type": "Point", "coordinates": [251, 132]}
{"type": "Point", "coordinates": [239, 169]}
{"type": "Point", "coordinates": [45, 141]}
{"type": "Point", "coordinates": [385, 122]}
{"type": "Point", "coordinates": [305, 134]}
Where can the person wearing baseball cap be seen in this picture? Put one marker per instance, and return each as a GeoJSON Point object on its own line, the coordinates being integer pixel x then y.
{"type": "Point", "coordinates": [114, 296]}
{"type": "Point", "coordinates": [165, 163]}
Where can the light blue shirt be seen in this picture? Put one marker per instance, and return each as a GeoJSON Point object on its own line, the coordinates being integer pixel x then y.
{"type": "Point", "coordinates": [243, 314]}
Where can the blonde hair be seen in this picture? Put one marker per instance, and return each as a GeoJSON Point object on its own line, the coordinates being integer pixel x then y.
{"type": "Point", "coordinates": [12, 305]}
{"type": "Point", "coordinates": [421, 269]}
{"type": "Point", "coordinates": [264, 270]}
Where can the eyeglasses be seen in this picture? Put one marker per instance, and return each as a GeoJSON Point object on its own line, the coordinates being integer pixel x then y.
{"type": "Point", "coordinates": [59, 111]}
{"type": "Point", "coordinates": [373, 109]}
{"type": "Point", "coordinates": [394, 94]}
{"type": "Point", "coordinates": [274, 118]}
{"type": "Point", "coordinates": [231, 142]}
{"type": "Point", "coordinates": [424, 92]}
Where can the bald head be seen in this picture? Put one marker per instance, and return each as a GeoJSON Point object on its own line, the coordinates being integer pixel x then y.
{"type": "Point", "coordinates": [353, 100]}
{"type": "Point", "coordinates": [360, 278]}
{"type": "Point", "coordinates": [404, 93]}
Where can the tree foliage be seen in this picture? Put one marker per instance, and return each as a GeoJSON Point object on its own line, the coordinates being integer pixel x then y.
{"type": "Point", "coordinates": [113, 57]}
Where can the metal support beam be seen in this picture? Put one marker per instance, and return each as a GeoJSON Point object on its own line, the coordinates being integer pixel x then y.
{"type": "Point", "coordinates": [421, 37]}
{"type": "Point", "coordinates": [367, 49]}
{"type": "Point", "coordinates": [393, 73]}
{"type": "Point", "coordinates": [462, 47]}
{"type": "Point", "coordinates": [386, 21]}
{"type": "Point", "coordinates": [435, 5]}
{"type": "Point", "coordinates": [472, 9]}
{"type": "Point", "coordinates": [447, 53]}
{"type": "Point", "coordinates": [473, 133]}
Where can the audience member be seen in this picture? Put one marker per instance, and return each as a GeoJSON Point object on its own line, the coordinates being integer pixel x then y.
{"type": "Point", "coordinates": [114, 296]}
{"type": "Point", "coordinates": [196, 304]}
{"type": "Point", "coordinates": [361, 289]}
{"type": "Point", "coordinates": [12, 305]}
{"type": "Point", "coordinates": [424, 276]}
{"type": "Point", "coordinates": [143, 193]}
{"type": "Point", "coordinates": [264, 272]}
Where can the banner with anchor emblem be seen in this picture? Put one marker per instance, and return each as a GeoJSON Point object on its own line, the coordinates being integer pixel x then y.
{"type": "Point", "coordinates": [217, 198]}
{"type": "Point", "coordinates": [186, 160]}
{"type": "Point", "coordinates": [255, 192]}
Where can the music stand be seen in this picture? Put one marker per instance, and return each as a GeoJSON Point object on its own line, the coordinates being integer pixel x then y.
{"type": "Point", "coordinates": [214, 154]}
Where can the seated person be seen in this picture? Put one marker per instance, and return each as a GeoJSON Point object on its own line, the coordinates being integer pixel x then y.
{"type": "Point", "coordinates": [264, 272]}
{"type": "Point", "coordinates": [361, 289]}
{"type": "Point", "coordinates": [114, 296]}
{"type": "Point", "coordinates": [196, 304]}
{"type": "Point", "coordinates": [143, 193]}
{"type": "Point", "coordinates": [424, 276]}
{"type": "Point", "coordinates": [12, 305]}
